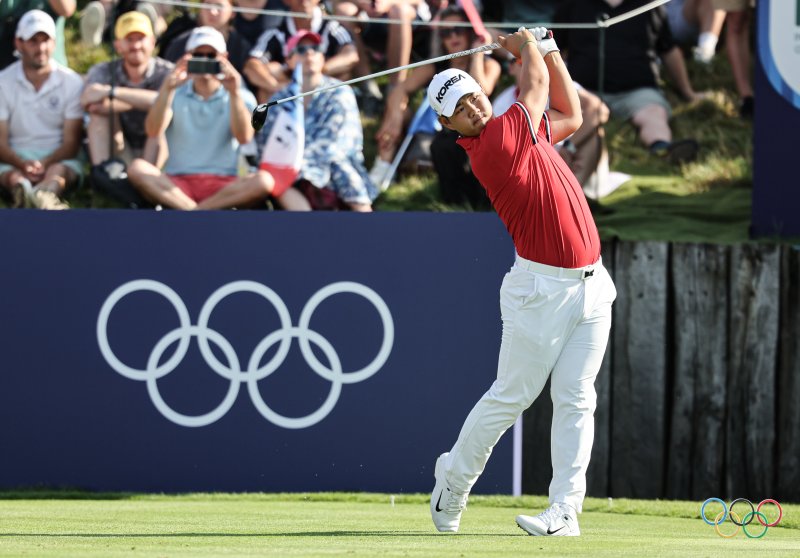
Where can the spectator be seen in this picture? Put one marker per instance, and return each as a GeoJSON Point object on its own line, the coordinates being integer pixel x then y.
{"type": "Point", "coordinates": [12, 11]}
{"type": "Point", "coordinates": [379, 40]}
{"type": "Point", "coordinates": [98, 15]}
{"type": "Point", "coordinates": [333, 174]}
{"type": "Point", "coordinates": [252, 24]}
{"type": "Point", "coordinates": [204, 117]}
{"type": "Point", "coordinates": [486, 71]}
{"type": "Point", "coordinates": [219, 17]}
{"type": "Point", "coordinates": [269, 73]}
{"type": "Point", "coordinates": [737, 45]}
{"type": "Point", "coordinates": [630, 84]}
{"type": "Point", "coordinates": [696, 21]}
{"type": "Point", "coordinates": [40, 119]}
{"type": "Point", "coordinates": [132, 82]}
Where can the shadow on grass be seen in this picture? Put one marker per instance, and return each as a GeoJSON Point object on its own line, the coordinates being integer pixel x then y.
{"type": "Point", "coordinates": [718, 215]}
{"type": "Point", "coordinates": [53, 493]}
{"type": "Point", "coordinates": [392, 534]}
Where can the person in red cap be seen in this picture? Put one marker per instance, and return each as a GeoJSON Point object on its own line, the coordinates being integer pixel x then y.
{"type": "Point", "coordinates": [555, 301]}
{"type": "Point", "coordinates": [271, 73]}
{"type": "Point", "coordinates": [332, 174]}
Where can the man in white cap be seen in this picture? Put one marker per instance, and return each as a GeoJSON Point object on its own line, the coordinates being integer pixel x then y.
{"type": "Point", "coordinates": [40, 119]}
{"type": "Point", "coordinates": [206, 117]}
{"type": "Point", "coordinates": [555, 301]}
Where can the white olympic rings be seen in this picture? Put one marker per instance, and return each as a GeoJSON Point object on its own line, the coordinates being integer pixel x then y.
{"type": "Point", "coordinates": [232, 370]}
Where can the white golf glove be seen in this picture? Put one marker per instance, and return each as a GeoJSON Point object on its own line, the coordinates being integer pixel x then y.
{"type": "Point", "coordinates": [544, 41]}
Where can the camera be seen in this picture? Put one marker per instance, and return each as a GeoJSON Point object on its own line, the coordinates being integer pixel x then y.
{"type": "Point", "coordinates": [203, 66]}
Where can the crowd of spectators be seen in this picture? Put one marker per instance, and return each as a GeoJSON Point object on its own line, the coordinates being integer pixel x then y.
{"type": "Point", "coordinates": [155, 126]}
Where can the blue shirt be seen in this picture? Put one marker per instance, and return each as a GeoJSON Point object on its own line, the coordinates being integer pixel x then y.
{"type": "Point", "coordinates": [199, 136]}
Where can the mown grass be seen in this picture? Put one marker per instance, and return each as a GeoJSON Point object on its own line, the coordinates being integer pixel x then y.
{"type": "Point", "coordinates": [357, 524]}
{"type": "Point", "coordinates": [706, 201]}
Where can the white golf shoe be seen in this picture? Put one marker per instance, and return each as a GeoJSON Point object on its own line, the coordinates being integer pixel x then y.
{"type": "Point", "coordinates": [446, 505]}
{"type": "Point", "coordinates": [559, 520]}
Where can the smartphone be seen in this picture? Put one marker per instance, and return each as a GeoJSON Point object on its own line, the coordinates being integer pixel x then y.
{"type": "Point", "coordinates": [203, 66]}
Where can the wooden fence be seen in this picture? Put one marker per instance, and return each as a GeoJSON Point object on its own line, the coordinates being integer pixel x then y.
{"type": "Point", "coordinates": [699, 392]}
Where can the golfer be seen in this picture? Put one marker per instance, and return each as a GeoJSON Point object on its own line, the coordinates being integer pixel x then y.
{"type": "Point", "coordinates": [556, 299]}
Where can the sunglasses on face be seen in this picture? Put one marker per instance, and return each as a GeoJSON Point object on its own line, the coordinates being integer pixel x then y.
{"type": "Point", "coordinates": [204, 54]}
{"type": "Point", "coordinates": [301, 50]}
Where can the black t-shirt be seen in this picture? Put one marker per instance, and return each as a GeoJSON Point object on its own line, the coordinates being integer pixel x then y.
{"type": "Point", "coordinates": [269, 46]}
{"type": "Point", "coordinates": [632, 46]}
{"type": "Point", "coordinates": [252, 29]}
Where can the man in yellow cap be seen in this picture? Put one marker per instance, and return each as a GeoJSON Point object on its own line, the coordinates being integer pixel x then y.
{"type": "Point", "coordinates": [125, 88]}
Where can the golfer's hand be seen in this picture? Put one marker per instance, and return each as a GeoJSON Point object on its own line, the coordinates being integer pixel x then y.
{"type": "Point", "coordinates": [512, 43]}
{"type": "Point", "coordinates": [544, 41]}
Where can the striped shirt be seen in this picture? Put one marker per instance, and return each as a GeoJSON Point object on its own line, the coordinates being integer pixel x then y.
{"type": "Point", "coordinates": [270, 45]}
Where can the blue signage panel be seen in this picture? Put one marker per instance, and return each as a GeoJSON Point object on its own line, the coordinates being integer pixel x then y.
{"type": "Point", "coordinates": [776, 196]}
{"type": "Point", "coordinates": [245, 351]}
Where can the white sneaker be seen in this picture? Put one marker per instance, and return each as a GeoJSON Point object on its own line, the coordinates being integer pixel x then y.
{"type": "Point", "coordinates": [446, 505]}
{"type": "Point", "coordinates": [703, 55]}
{"type": "Point", "coordinates": [92, 24]}
{"type": "Point", "coordinates": [28, 193]}
{"type": "Point", "coordinates": [559, 520]}
{"type": "Point", "coordinates": [378, 172]}
{"type": "Point", "coordinates": [48, 200]}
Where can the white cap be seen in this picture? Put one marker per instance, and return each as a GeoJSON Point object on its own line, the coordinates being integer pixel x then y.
{"type": "Point", "coordinates": [207, 36]}
{"type": "Point", "coordinates": [35, 21]}
{"type": "Point", "coordinates": [447, 88]}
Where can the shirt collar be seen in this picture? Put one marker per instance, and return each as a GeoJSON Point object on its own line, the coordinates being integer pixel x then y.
{"type": "Point", "coordinates": [53, 80]}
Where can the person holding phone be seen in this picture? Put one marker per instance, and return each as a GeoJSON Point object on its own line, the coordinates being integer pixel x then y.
{"type": "Point", "coordinates": [204, 111]}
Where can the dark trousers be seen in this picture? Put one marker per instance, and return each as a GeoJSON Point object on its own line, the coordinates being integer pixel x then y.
{"type": "Point", "coordinates": [457, 184]}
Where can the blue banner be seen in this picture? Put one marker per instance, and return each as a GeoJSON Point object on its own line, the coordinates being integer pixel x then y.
{"type": "Point", "coordinates": [776, 196]}
{"type": "Point", "coordinates": [245, 351]}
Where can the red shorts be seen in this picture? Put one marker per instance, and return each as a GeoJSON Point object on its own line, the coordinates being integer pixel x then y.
{"type": "Point", "coordinates": [200, 186]}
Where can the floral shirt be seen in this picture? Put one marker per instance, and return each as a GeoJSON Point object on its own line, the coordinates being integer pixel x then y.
{"type": "Point", "coordinates": [334, 143]}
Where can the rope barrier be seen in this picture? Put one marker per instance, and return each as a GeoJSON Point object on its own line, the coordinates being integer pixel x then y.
{"type": "Point", "coordinates": [433, 23]}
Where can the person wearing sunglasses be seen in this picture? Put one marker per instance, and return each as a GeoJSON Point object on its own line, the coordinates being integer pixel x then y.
{"type": "Point", "coordinates": [270, 70]}
{"type": "Point", "coordinates": [203, 109]}
{"type": "Point", "coordinates": [332, 174]}
{"type": "Point", "coordinates": [486, 71]}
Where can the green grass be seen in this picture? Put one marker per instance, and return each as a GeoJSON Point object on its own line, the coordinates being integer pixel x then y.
{"type": "Point", "coordinates": [80, 524]}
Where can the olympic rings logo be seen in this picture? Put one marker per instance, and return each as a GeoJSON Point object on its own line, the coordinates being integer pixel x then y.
{"type": "Point", "coordinates": [744, 521]}
{"type": "Point", "coordinates": [255, 371]}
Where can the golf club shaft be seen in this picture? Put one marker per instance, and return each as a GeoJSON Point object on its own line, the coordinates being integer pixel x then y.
{"type": "Point", "coordinates": [469, 52]}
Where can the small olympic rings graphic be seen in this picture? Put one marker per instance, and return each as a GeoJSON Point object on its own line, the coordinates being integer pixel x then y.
{"type": "Point", "coordinates": [254, 371]}
{"type": "Point", "coordinates": [741, 522]}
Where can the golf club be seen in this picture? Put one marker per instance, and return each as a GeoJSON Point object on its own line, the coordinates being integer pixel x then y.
{"type": "Point", "coordinates": [260, 112]}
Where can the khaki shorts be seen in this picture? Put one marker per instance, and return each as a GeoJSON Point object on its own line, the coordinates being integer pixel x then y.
{"type": "Point", "coordinates": [625, 105]}
{"type": "Point", "coordinates": [733, 5]}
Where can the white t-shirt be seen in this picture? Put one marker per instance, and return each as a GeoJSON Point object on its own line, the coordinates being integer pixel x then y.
{"type": "Point", "coordinates": [36, 118]}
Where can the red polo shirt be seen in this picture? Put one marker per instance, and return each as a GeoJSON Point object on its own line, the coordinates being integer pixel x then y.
{"type": "Point", "coordinates": [533, 191]}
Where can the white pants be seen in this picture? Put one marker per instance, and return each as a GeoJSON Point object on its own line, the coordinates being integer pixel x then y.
{"type": "Point", "coordinates": [553, 327]}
